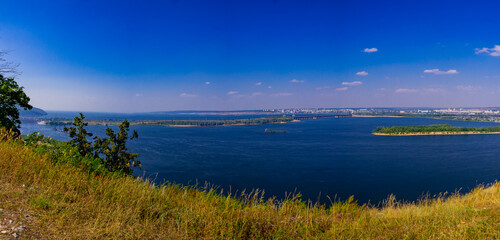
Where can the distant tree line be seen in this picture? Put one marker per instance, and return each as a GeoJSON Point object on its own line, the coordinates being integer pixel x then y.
{"type": "Point", "coordinates": [199, 123]}
{"type": "Point", "coordinates": [432, 128]}
{"type": "Point", "coordinates": [214, 123]}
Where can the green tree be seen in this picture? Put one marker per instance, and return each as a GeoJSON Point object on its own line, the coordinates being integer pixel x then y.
{"type": "Point", "coordinates": [12, 97]}
{"type": "Point", "coordinates": [111, 151]}
{"type": "Point", "coordinates": [115, 151]}
{"type": "Point", "coordinates": [79, 134]}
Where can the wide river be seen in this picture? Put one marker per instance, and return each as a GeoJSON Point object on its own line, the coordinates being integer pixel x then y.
{"type": "Point", "coordinates": [327, 157]}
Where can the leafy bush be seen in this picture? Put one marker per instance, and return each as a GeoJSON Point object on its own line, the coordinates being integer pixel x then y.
{"type": "Point", "coordinates": [79, 134]}
{"type": "Point", "coordinates": [64, 152]}
{"type": "Point", "coordinates": [115, 151]}
{"type": "Point", "coordinates": [111, 151]}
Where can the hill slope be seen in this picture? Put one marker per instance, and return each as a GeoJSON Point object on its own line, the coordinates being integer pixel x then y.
{"type": "Point", "coordinates": [62, 196]}
{"type": "Point", "coordinates": [35, 112]}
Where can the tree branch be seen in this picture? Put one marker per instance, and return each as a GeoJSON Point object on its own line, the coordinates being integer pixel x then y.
{"type": "Point", "coordinates": [6, 67]}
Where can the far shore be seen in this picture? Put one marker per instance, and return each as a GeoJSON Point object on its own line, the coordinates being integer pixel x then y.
{"type": "Point", "coordinates": [434, 133]}
{"type": "Point", "coordinates": [369, 116]}
{"type": "Point", "coordinates": [143, 122]}
{"type": "Point", "coordinates": [239, 124]}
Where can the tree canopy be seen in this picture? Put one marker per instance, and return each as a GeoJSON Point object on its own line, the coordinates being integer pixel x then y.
{"type": "Point", "coordinates": [12, 97]}
{"type": "Point", "coordinates": [111, 151]}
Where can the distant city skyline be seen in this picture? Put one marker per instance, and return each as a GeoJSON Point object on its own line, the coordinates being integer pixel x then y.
{"type": "Point", "coordinates": [132, 56]}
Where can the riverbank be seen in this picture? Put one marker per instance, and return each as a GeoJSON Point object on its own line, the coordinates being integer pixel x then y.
{"type": "Point", "coordinates": [433, 133]}
{"type": "Point", "coordinates": [62, 199]}
{"type": "Point", "coordinates": [467, 118]}
{"type": "Point", "coordinates": [436, 129]}
{"type": "Point", "coordinates": [372, 116]}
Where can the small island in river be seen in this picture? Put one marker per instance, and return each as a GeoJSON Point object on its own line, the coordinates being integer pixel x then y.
{"type": "Point", "coordinates": [274, 131]}
{"type": "Point", "coordinates": [439, 129]}
{"type": "Point", "coordinates": [177, 123]}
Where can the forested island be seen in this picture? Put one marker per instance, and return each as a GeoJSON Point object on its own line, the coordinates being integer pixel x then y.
{"type": "Point", "coordinates": [438, 129]}
{"type": "Point", "coordinates": [442, 116]}
{"type": "Point", "coordinates": [177, 123]}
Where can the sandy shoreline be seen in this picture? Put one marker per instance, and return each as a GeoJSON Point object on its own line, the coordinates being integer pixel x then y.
{"type": "Point", "coordinates": [434, 133]}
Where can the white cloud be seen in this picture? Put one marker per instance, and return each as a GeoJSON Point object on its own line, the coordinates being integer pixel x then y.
{"type": "Point", "coordinates": [258, 84]}
{"type": "Point", "coordinates": [320, 88]}
{"type": "Point", "coordinates": [468, 88]}
{"type": "Point", "coordinates": [341, 89]}
{"type": "Point", "coordinates": [207, 83]}
{"type": "Point", "coordinates": [495, 51]}
{"type": "Point", "coordinates": [257, 93]}
{"type": "Point", "coordinates": [481, 50]}
{"type": "Point", "coordinates": [362, 73]}
{"type": "Point", "coordinates": [352, 84]}
{"type": "Point", "coordinates": [269, 87]}
{"type": "Point", "coordinates": [297, 81]}
{"type": "Point", "coordinates": [232, 92]}
{"type": "Point", "coordinates": [281, 94]}
{"type": "Point", "coordinates": [138, 95]}
{"type": "Point", "coordinates": [188, 95]}
{"type": "Point", "coordinates": [406, 90]}
{"type": "Point", "coordinates": [439, 72]}
{"type": "Point", "coordinates": [434, 90]}
{"type": "Point", "coordinates": [370, 50]}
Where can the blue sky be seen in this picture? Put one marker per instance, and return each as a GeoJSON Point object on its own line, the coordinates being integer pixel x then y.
{"type": "Point", "coordinates": [137, 56]}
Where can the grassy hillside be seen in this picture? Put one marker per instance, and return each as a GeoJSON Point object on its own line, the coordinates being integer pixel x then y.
{"type": "Point", "coordinates": [56, 194]}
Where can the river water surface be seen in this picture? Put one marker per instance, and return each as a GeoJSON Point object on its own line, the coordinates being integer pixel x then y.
{"type": "Point", "coordinates": [331, 157]}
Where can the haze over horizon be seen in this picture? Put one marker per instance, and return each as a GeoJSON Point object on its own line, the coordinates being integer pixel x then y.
{"type": "Point", "coordinates": [131, 56]}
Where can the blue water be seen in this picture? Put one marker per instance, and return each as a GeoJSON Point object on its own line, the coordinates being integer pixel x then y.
{"type": "Point", "coordinates": [334, 157]}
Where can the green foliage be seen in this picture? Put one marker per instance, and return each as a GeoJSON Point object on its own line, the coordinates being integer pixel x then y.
{"type": "Point", "coordinates": [12, 96]}
{"type": "Point", "coordinates": [64, 153]}
{"type": "Point", "coordinates": [79, 134]}
{"type": "Point", "coordinates": [115, 151]}
{"type": "Point", "coordinates": [433, 129]}
{"type": "Point", "coordinates": [111, 151]}
{"type": "Point", "coordinates": [35, 139]}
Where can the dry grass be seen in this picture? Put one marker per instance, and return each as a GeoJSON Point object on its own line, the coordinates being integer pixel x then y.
{"type": "Point", "coordinates": [66, 202]}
